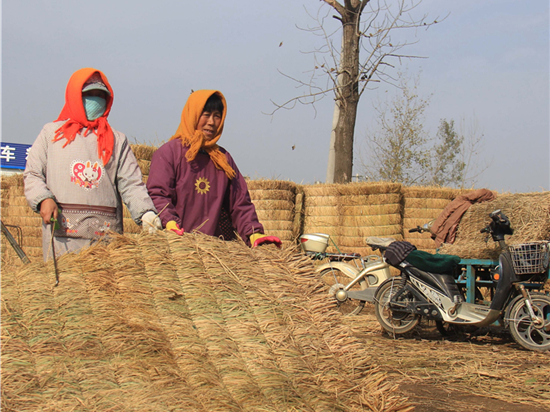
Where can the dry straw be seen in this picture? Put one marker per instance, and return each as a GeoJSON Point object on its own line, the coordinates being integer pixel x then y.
{"type": "Point", "coordinates": [144, 166]}
{"type": "Point", "coordinates": [421, 205]}
{"type": "Point", "coordinates": [143, 152]}
{"type": "Point", "coordinates": [163, 322]}
{"type": "Point", "coordinates": [528, 214]}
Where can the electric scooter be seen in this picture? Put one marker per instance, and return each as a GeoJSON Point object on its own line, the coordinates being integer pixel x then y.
{"type": "Point", "coordinates": [400, 302]}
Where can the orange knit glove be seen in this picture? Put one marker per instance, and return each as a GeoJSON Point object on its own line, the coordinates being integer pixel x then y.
{"type": "Point", "coordinates": [257, 239]}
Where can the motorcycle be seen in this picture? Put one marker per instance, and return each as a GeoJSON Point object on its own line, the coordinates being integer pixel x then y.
{"type": "Point", "coordinates": [402, 301]}
{"type": "Point", "coordinates": [353, 279]}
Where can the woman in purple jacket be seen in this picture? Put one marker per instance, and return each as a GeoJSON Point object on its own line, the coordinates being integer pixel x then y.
{"type": "Point", "coordinates": [196, 183]}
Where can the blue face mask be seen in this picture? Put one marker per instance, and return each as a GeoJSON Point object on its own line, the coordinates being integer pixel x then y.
{"type": "Point", "coordinates": [94, 106]}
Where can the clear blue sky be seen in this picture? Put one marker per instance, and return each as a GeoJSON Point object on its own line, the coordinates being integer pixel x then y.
{"type": "Point", "coordinates": [488, 62]}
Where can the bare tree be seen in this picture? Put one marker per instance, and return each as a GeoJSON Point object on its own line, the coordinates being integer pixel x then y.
{"type": "Point", "coordinates": [398, 149]}
{"type": "Point", "coordinates": [472, 146]}
{"type": "Point", "coordinates": [448, 166]}
{"type": "Point", "coordinates": [371, 42]}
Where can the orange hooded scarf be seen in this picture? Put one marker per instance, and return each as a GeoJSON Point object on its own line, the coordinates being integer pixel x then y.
{"type": "Point", "coordinates": [194, 139]}
{"type": "Point", "coordinates": [74, 113]}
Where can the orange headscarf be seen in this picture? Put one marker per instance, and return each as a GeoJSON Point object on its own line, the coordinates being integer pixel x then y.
{"type": "Point", "coordinates": [194, 139]}
{"type": "Point", "coordinates": [74, 113]}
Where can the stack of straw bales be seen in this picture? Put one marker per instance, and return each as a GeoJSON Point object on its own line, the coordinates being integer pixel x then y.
{"type": "Point", "coordinates": [529, 215]}
{"type": "Point", "coordinates": [275, 203]}
{"type": "Point", "coordinates": [420, 206]}
{"type": "Point", "coordinates": [16, 212]}
{"type": "Point", "coordinates": [191, 323]}
{"type": "Point", "coordinates": [350, 213]}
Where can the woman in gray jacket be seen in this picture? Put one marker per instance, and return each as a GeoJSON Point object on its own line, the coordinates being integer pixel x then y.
{"type": "Point", "coordinates": [80, 171]}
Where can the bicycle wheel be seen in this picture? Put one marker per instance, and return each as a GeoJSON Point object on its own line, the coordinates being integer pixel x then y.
{"type": "Point", "coordinates": [337, 280]}
{"type": "Point", "coordinates": [529, 334]}
{"type": "Point", "coordinates": [393, 322]}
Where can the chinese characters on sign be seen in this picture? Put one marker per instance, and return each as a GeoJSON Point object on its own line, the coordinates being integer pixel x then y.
{"type": "Point", "coordinates": [13, 155]}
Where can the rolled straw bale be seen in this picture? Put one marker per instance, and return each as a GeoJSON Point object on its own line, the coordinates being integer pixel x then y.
{"type": "Point", "coordinates": [417, 203]}
{"type": "Point", "coordinates": [421, 214]}
{"type": "Point", "coordinates": [284, 215]}
{"type": "Point", "coordinates": [374, 220]}
{"type": "Point", "coordinates": [365, 231]}
{"type": "Point", "coordinates": [19, 201]}
{"type": "Point", "coordinates": [352, 189]}
{"type": "Point", "coordinates": [144, 166]}
{"type": "Point", "coordinates": [275, 185]}
{"type": "Point", "coordinates": [344, 221]}
{"type": "Point", "coordinates": [274, 201]}
{"type": "Point", "coordinates": [143, 152]}
{"type": "Point", "coordinates": [24, 222]}
{"type": "Point", "coordinates": [358, 200]}
{"type": "Point", "coordinates": [273, 204]}
{"type": "Point", "coordinates": [298, 223]}
{"type": "Point", "coordinates": [420, 206]}
{"type": "Point", "coordinates": [15, 180]}
{"type": "Point", "coordinates": [19, 211]}
{"type": "Point", "coordinates": [17, 189]}
{"type": "Point", "coordinates": [285, 195]}
{"type": "Point", "coordinates": [282, 226]}
{"type": "Point", "coordinates": [355, 210]}
{"type": "Point", "coordinates": [32, 232]}
{"type": "Point", "coordinates": [529, 217]}
{"type": "Point", "coordinates": [188, 321]}
{"type": "Point", "coordinates": [430, 192]}
{"type": "Point", "coordinates": [351, 212]}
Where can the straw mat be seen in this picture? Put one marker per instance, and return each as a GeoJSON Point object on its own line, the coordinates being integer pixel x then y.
{"type": "Point", "coordinates": [167, 323]}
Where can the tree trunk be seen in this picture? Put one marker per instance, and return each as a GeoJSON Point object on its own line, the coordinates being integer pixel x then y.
{"type": "Point", "coordinates": [343, 144]}
{"type": "Point", "coordinates": [332, 148]}
{"type": "Point", "coordinates": [347, 97]}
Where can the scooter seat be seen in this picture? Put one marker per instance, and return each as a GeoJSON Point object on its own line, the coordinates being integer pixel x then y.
{"type": "Point", "coordinates": [444, 264]}
{"type": "Point", "coordinates": [382, 242]}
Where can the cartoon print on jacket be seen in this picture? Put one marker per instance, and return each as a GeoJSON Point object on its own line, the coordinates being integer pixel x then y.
{"type": "Point", "coordinates": [86, 175]}
{"type": "Point", "coordinates": [67, 225]}
{"type": "Point", "coordinates": [101, 231]}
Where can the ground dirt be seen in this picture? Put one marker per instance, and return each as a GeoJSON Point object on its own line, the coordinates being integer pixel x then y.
{"type": "Point", "coordinates": [477, 372]}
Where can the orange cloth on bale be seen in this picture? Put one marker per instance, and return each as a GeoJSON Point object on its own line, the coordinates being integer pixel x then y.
{"type": "Point", "coordinates": [74, 113]}
{"type": "Point", "coordinates": [189, 135]}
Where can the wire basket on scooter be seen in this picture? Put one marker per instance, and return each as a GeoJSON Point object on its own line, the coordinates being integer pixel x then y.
{"type": "Point", "coordinates": [529, 258]}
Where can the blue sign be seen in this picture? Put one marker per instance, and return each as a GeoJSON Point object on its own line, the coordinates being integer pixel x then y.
{"type": "Point", "coordinates": [13, 155]}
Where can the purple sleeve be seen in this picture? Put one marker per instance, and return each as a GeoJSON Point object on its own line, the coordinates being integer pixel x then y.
{"type": "Point", "coordinates": [242, 210]}
{"type": "Point", "coordinates": [161, 183]}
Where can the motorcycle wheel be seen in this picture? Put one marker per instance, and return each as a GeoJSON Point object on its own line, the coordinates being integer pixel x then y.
{"type": "Point", "coordinates": [336, 279]}
{"type": "Point", "coordinates": [393, 322]}
{"type": "Point", "coordinates": [523, 330]}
